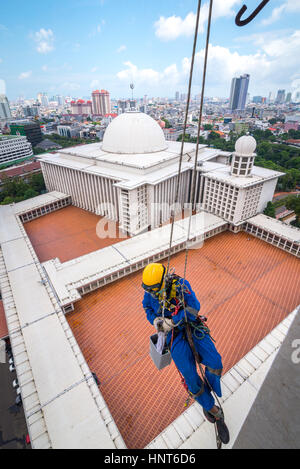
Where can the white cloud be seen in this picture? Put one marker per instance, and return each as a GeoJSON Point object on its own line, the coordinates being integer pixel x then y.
{"type": "Point", "coordinates": [25, 75]}
{"type": "Point", "coordinates": [122, 48]}
{"type": "Point", "coordinates": [289, 6]}
{"type": "Point", "coordinates": [94, 69]}
{"type": "Point", "coordinates": [274, 64]}
{"type": "Point", "coordinates": [44, 41]}
{"type": "Point", "coordinates": [172, 27]}
{"type": "Point", "coordinates": [132, 73]}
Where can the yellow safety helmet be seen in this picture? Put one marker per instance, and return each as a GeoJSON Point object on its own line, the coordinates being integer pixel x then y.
{"type": "Point", "coordinates": [153, 277]}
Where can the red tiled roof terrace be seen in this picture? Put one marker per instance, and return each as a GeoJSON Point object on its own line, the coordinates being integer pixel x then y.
{"type": "Point", "coordinates": [67, 233]}
{"type": "Point", "coordinates": [245, 286]}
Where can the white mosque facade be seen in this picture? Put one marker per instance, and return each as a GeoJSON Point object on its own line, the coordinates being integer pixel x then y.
{"type": "Point", "coordinates": [131, 177]}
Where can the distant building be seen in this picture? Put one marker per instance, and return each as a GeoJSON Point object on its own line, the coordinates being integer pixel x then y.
{"type": "Point", "coordinates": [31, 130]}
{"type": "Point", "coordinates": [43, 99]}
{"type": "Point", "coordinates": [238, 92]}
{"type": "Point", "coordinates": [101, 102]}
{"type": "Point", "coordinates": [20, 171]}
{"type": "Point", "coordinates": [81, 107]}
{"type": "Point", "coordinates": [123, 105]}
{"type": "Point", "coordinates": [291, 125]}
{"type": "Point", "coordinates": [288, 97]}
{"type": "Point", "coordinates": [13, 149]}
{"type": "Point", "coordinates": [171, 134]}
{"type": "Point", "coordinates": [60, 100]}
{"type": "Point", "coordinates": [143, 108]}
{"type": "Point", "coordinates": [294, 141]}
{"type": "Point", "coordinates": [31, 111]}
{"type": "Point", "coordinates": [280, 98]}
{"type": "Point", "coordinates": [293, 117]}
{"type": "Point", "coordinates": [68, 131]}
{"type": "Point", "coordinates": [5, 112]}
{"type": "Point", "coordinates": [240, 127]}
{"type": "Point", "coordinates": [48, 145]}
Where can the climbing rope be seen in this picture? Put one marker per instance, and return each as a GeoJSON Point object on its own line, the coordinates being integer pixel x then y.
{"type": "Point", "coordinates": [184, 131]}
{"type": "Point", "coordinates": [200, 330]}
{"type": "Point", "coordinates": [182, 148]}
{"type": "Point", "coordinates": [193, 188]}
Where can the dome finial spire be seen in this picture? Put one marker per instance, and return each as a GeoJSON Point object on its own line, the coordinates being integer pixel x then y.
{"type": "Point", "coordinates": [132, 88]}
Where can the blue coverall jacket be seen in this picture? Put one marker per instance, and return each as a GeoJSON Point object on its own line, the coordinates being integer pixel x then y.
{"type": "Point", "coordinates": [181, 351]}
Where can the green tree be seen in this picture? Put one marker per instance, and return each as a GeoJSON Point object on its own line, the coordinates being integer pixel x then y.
{"type": "Point", "coordinates": [37, 182]}
{"type": "Point", "coordinates": [7, 200]}
{"type": "Point", "coordinates": [213, 136]}
{"type": "Point", "coordinates": [168, 125]}
{"type": "Point", "coordinates": [270, 210]}
{"type": "Point", "coordinates": [29, 193]}
{"type": "Point", "coordinates": [293, 203]}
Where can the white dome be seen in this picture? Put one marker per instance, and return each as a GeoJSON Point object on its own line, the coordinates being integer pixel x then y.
{"type": "Point", "coordinates": [134, 132]}
{"type": "Point", "coordinates": [245, 145]}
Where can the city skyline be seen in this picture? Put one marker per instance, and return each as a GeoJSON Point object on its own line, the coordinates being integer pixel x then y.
{"type": "Point", "coordinates": [95, 44]}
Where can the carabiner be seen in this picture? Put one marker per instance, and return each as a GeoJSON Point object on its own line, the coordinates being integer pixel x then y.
{"type": "Point", "coordinates": [240, 22]}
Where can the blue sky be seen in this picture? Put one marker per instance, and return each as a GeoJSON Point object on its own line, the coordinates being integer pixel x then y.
{"type": "Point", "coordinates": [71, 47]}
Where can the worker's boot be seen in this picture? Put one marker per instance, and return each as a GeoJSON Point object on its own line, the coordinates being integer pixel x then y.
{"type": "Point", "coordinates": [218, 419]}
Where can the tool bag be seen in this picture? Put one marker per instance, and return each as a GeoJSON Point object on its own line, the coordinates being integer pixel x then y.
{"type": "Point", "coordinates": [159, 360]}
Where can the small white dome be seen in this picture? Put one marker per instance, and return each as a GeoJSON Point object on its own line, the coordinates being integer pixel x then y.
{"type": "Point", "coordinates": [134, 132]}
{"type": "Point", "coordinates": [245, 145]}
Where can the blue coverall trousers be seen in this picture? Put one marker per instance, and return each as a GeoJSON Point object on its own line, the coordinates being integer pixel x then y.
{"type": "Point", "coordinates": [181, 351]}
{"type": "Point", "coordinates": [184, 360]}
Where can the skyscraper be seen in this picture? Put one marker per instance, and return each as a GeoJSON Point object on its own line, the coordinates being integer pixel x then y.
{"type": "Point", "coordinates": [280, 98]}
{"type": "Point", "coordinates": [5, 112]}
{"type": "Point", "coordinates": [101, 102]}
{"type": "Point", "coordinates": [43, 99]}
{"type": "Point", "coordinates": [238, 92]}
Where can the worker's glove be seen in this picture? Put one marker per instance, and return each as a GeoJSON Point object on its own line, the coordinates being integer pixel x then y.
{"type": "Point", "coordinates": [163, 324]}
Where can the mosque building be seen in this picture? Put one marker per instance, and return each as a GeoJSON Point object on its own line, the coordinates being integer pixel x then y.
{"type": "Point", "coordinates": [131, 177]}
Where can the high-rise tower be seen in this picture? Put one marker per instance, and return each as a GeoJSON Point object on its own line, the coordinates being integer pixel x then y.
{"type": "Point", "coordinates": [5, 112]}
{"type": "Point", "coordinates": [238, 92]}
{"type": "Point", "coordinates": [101, 102]}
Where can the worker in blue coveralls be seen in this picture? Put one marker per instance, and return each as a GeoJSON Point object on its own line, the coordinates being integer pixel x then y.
{"type": "Point", "coordinates": [163, 304]}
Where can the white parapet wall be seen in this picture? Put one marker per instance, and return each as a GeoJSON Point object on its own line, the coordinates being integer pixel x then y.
{"type": "Point", "coordinates": [52, 373]}
{"type": "Point", "coordinates": [74, 278]}
{"type": "Point", "coordinates": [275, 232]}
